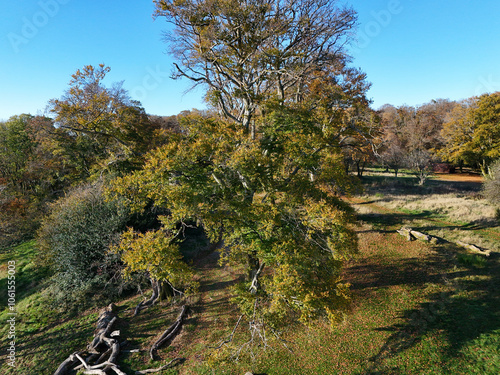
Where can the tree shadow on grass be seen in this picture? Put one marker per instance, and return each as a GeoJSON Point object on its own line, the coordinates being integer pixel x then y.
{"type": "Point", "coordinates": [379, 221]}
{"type": "Point", "coordinates": [408, 185]}
{"type": "Point", "coordinates": [408, 271]}
{"type": "Point", "coordinates": [464, 314]}
{"type": "Point", "coordinates": [28, 280]}
{"type": "Point", "coordinates": [218, 285]}
{"type": "Point", "coordinates": [385, 222]}
{"type": "Point", "coordinates": [35, 354]}
{"type": "Point", "coordinates": [472, 226]}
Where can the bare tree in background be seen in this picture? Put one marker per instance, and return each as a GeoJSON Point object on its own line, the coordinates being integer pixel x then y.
{"type": "Point", "coordinates": [248, 51]}
{"type": "Point", "coordinates": [420, 163]}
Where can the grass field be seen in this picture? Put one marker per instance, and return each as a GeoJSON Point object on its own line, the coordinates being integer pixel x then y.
{"type": "Point", "coordinates": [417, 308]}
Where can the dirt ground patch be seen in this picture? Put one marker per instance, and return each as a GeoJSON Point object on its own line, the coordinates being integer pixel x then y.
{"type": "Point", "coordinates": [460, 177]}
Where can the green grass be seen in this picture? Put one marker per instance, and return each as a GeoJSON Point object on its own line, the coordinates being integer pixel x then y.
{"type": "Point", "coordinates": [39, 328]}
{"type": "Point", "coordinates": [416, 309]}
{"type": "Point", "coordinates": [473, 260]}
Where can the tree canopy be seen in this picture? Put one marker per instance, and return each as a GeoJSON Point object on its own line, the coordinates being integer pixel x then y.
{"type": "Point", "coordinates": [245, 52]}
{"type": "Point", "coordinates": [472, 132]}
{"type": "Point", "coordinates": [264, 176]}
{"type": "Point", "coordinates": [272, 200]}
{"type": "Point", "coordinates": [100, 128]}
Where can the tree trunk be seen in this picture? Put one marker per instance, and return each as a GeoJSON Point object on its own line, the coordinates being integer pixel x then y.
{"type": "Point", "coordinates": [421, 180]}
{"type": "Point", "coordinates": [165, 291]}
{"type": "Point", "coordinates": [360, 166]}
{"type": "Point", "coordinates": [482, 166]}
{"type": "Point", "coordinates": [253, 265]}
{"type": "Point", "coordinates": [66, 365]}
{"type": "Point", "coordinates": [247, 122]}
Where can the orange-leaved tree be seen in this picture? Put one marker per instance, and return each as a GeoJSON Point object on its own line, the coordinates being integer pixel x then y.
{"type": "Point", "coordinates": [100, 128]}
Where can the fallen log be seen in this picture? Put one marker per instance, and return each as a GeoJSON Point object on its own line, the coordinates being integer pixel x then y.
{"type": "Point", "coordinates": [105, 344]}
{"type": "Point", "coordinates": [101, 347]}
{"type": "Point", "coordinates": [405, 232]}
{"type": "Point", "coordinates": [101, 337]}
{"type": "Point", "coordinates": [474, 249]}
{"type": "Point", "coordinates": [117, 370]}
{"type": "Point", "coordinates": [103, 356]}
{"type": "Point", "coordinates": [411, 235]}
{"type": "Point", "coordinates": [169, 333]}
{"type": "Point", "coordinates": [103, 372]}
{"type": "Point", "coordinates": [424, 237]}
{"type": "Point", "coordinates": [103, 327]}
{"type": "Point", "coordinates": [94, 372]}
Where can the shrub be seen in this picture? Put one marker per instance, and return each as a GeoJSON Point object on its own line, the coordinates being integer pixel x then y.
{"type": "Point", "coordinates": [491, 188]}
{"type": "Point", "coordinates": [472, 260]}
{"type": "Point", "coordinates": [74, 239]}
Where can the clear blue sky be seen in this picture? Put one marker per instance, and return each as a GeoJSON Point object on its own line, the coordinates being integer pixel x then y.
{"type": "Point", "coordinates": [412, 50]}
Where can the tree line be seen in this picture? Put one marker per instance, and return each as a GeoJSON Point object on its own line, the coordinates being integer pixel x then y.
{"type": "Point", "coordinates": [460, 133]}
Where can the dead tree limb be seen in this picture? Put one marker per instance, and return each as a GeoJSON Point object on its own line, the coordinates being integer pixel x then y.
{"type": "Point", "coordinates": [103, 356]}
{"type": "Point", "coordinates": [117, 370]}
{"type": "Point", "coordinates": [230, 337]}
{"type": "Point", "coordinates": [169, 333]}
{"type": "Point", "coordinates": [114, 346]}
{"type": "Point", "coordinates": [423, 236]}
{"type": "Point", "coordinates": [84, 364]}
{"type": "Point", "coordinates": [151, 371]}
{"type": "Point", "coordinates": [101, 336]}
{"type": "Point", "coordinates": [94, 372]}
{"type": "Point", "coordinates": [67, 364]}
{"type": "Point", "coordinates": [105, 344]}
{"type": "Point", "coordinates": [474, 249]}
{"type": "Point", "coordinates": [102, 346]}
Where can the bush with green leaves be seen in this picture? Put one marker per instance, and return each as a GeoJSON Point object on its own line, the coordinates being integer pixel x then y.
{"type": "Point", "coordinates": [74, 240]}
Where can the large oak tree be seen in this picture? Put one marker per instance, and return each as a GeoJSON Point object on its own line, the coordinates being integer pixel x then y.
{"type": "Point", "coordinates": [264, 176]}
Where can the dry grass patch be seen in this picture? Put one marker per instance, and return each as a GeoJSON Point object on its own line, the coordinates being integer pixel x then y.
{"type": "Point", "coordinates": [452, 217]}
{"type": "Point", "coordinates": [460, 208]}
